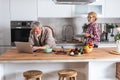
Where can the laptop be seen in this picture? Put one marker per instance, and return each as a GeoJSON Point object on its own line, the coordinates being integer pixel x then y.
{"type": "Point", "coordinates": [24, 47]}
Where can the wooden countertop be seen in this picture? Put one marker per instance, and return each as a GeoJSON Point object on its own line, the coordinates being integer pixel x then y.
{"type": "Point", "coordinates": [97, 54]}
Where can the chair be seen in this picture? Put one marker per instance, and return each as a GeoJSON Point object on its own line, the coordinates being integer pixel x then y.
{"type": "Point", "coordinates": [53, 33]}
{"type": "Point", "coordinates": [67, 73]}
{"type": "Point", "coordinates": [118, 70]}
{"type": "Point", "coordinates": [32, 74]}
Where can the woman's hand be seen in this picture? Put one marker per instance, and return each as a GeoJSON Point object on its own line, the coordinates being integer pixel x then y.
{"type": "Point", "coordinates": [87, 35]}
{"type": "Point", "coordinates": [92, 36]}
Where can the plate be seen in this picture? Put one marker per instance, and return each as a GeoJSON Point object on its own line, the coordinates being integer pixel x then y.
{"type": "Point", "coordinates": [60, 52]}
{"type": "Point", "coordinates": [115, 52]}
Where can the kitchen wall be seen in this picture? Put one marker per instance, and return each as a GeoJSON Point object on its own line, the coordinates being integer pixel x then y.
{"type": "Point", "coordinates": [76, 23]}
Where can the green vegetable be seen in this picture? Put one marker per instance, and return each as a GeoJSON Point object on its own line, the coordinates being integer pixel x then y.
{"type": "Point", "coordinates": [79, 53]}
{"type": "Point", "coordinates": [117, 36]}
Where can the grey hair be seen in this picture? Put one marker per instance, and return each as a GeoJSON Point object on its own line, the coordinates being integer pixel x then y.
{"type": "Point", "coordinates": [36, 23]}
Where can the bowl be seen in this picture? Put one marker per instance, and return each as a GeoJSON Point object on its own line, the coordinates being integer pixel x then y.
{"type": "Point", "coordinates": [48, 50]}
{"type": "Point", "coordinates": [89, 50]}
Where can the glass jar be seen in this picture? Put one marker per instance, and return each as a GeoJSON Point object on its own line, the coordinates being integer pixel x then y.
{"type": "Point", "coordinates": [118, 45]}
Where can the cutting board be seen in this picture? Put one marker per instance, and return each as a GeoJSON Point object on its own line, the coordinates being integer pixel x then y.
{"type": "Point", "coordinates": [115, 52]}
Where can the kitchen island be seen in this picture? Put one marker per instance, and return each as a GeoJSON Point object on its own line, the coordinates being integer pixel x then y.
{"type": "Point", "coordinates": [98, 65]}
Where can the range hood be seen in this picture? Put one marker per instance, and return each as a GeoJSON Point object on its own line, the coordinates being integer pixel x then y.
{"type": "Point", "coordinates": [74, 2]}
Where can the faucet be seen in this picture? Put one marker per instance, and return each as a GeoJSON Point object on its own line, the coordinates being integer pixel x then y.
{"type": "Point", "coordinates": [68, 32]}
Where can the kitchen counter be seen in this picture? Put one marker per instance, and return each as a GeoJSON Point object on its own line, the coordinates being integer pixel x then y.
{"type": "Point", "coordinates": [96, 54]}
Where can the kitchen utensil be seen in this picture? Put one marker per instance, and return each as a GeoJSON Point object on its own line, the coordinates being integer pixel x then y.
{"type": "Point", "coordinates": [67, 32]}
{"type": "Point", "coordinates": [60, 52]}
{"type": "Point", "coordinates": [87, 51]}
{"type": "Point", "coordinates": [114, 52]}
{"type": "Point", "coordinates": [63, 48]}
{"type": "Point", "coordinates": [112, 35]}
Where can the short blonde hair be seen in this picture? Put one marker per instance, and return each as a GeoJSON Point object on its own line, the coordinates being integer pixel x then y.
{"type": "Point", "coordinates": [93, 14]}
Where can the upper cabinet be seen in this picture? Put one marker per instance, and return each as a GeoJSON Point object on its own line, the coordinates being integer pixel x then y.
{"type": "Point", "coordinates": [112, 8]}
{"type": "Point", "coordinates": [23, 9]}
{"type": "Point", "coordinates": [47, 8]}
{"type": "Point", "coordinates": [4, 23]}
{"type": "Point", "coordinates": [32, 9]}
{"type": "Point", "coordinates": [82, 10]}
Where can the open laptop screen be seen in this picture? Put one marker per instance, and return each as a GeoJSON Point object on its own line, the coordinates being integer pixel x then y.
{"type": "Point", "coordinates": [24, 47]}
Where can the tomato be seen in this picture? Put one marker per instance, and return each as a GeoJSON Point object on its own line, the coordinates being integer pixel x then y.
{"type": "Point", "coordinates": [90, 44]}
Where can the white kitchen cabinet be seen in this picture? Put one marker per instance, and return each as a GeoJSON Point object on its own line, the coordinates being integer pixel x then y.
{"type": "Point", "coordinates": [112, 8]}
{"type": "Point", "coordinates": [47, 8]}
{"type": "Point", "coordinates": [23, 9]}
{"type": "Point", "coordinates": [4, 23]}
{"type": "Point", "coordinates": [82, 10]}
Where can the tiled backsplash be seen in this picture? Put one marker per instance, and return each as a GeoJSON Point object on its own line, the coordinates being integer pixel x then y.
{"type": "Point", "coordinates": [76, 23]}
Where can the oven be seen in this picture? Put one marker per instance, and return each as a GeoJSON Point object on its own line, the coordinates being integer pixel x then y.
{"type": "Point", "coordinates": [20, 31]}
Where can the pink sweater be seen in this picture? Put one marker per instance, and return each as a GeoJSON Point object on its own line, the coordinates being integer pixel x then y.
{"type": "Point", "coordinates": [93, 29]}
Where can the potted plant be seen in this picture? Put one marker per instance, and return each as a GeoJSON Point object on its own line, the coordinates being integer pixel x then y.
{"type": "Point", "coordinates": [85, 27]}
{"type": "Point", "coordinates": [110, 27]}
{"type": "Point", "coordinates": [117, 36]}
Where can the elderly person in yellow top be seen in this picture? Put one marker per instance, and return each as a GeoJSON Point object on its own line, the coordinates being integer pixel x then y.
{"type": "Point", "coordinates": [41, 37]}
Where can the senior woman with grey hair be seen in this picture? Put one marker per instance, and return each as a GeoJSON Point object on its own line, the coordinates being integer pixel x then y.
{"type": "Point", "coordinates": [41, 37]}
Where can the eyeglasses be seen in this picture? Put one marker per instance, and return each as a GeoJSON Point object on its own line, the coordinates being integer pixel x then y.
{"type": "Point", "coordinates": [90, 16]}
